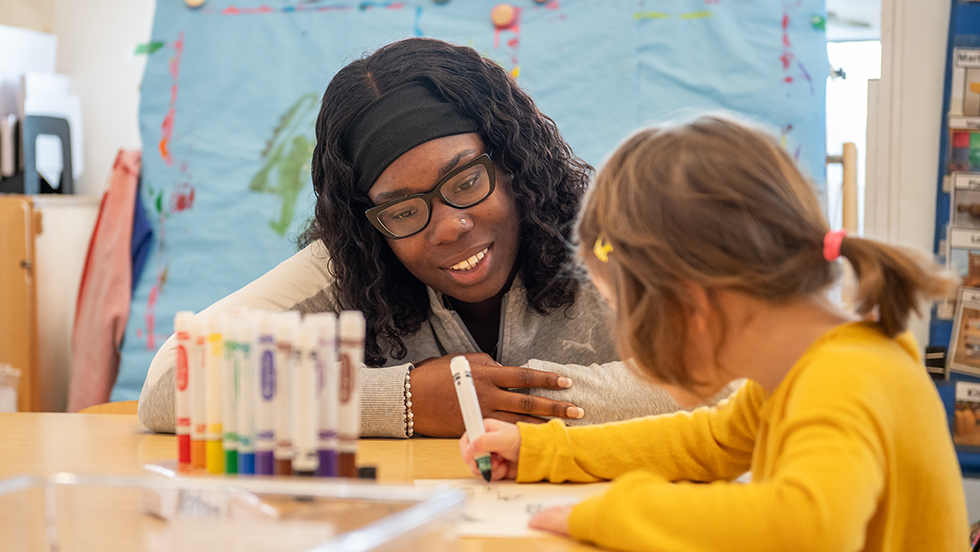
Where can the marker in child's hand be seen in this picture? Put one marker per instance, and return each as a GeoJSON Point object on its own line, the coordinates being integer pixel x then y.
{"type": "Point", "coordinates": [469, 405]}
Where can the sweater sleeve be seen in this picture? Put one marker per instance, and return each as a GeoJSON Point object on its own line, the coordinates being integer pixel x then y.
{"type": "Point", "coordinates": [827, 480]}
{"type": "Point", "coordinates": [705, 444]}
{"type": "Point", "coordinates": [632, 398]}
{"type": "Point", "coordinates": [298, 282]}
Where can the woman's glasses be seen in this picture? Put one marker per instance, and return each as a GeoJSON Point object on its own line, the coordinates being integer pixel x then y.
{"type": "Point", "coordinates": [464, 187]}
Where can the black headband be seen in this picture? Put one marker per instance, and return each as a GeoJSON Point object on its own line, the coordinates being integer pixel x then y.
{"type": "Point", "coordinates": [401, 119]}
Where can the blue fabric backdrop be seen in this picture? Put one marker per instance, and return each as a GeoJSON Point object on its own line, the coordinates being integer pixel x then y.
{"type": "Point", "coordinates": [229, 101]}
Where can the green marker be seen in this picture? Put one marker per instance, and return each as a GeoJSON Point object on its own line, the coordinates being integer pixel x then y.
{"type": "Point", "coordinates": [229, 396]}
{"type": "Point", "coordinates": [469, 404]}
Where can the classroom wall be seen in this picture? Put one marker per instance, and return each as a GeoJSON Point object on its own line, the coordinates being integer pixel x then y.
{"type": "Point", "coordinates": [904, 126]}
{"type": "Point", "coordinates": [96, 40]}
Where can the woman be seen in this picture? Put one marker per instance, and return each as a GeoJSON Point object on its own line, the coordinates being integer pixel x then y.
{"type": "Point", "coordinates": [446, 201]}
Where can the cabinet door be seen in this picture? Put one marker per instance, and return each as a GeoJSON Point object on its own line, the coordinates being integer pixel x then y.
{"type": "Point", "coordinates": [18, 325]}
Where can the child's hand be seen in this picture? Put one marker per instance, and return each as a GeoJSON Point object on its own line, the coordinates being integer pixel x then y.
{"type": "Point", "coordinates": [553, 520]}
{"type": "Point", "coordinates": [502, 440]}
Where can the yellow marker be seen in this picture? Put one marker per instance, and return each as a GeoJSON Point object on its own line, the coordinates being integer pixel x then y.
{"type": "Point", "coordinates": [214, 454]}
{"type": "Point", "coordinates": [695, 15]}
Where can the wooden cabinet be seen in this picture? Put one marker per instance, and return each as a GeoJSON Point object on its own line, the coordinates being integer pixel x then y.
{"type": "Point", "coordinates": [19, 223]}
{"type": "Point", "coordinates": [43, 243]}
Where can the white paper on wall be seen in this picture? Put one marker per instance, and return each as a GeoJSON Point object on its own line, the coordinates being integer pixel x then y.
{"type": "Point", "coordinates": [49, 94]}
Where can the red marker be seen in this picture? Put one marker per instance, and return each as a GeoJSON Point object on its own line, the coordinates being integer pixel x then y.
{"type": "Point", "coordinates": [182, 322]}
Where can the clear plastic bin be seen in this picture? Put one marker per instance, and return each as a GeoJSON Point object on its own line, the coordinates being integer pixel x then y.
{"type": "Point", "coordinates": [77, 513]}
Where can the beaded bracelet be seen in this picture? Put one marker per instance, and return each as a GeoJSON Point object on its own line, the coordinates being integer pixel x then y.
{"type": "Point", "coordinates": [409, 417]}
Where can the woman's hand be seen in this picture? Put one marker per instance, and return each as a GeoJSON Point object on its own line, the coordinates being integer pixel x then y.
{"type": "Point", "coordinates": [554, 520]}
{"type": "Point", "coordinates": [436, 408]}
{"type": "Point", "coordinates": [502, 440]}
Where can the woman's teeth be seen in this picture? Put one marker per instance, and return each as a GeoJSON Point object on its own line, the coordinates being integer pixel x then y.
{"type": "Point", "coordinates": [468, 264]}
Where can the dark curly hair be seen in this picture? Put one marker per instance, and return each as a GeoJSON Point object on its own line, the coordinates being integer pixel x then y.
{"type": "Point", "coordinates": [548, 182]}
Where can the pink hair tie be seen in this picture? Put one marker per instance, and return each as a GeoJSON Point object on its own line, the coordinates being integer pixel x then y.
{"type": "Point", "coordinates": [831, 244]}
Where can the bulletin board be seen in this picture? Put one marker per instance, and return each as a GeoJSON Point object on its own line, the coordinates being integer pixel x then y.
{"type": "Point", "coordinates": [231, 92]}
{"type": "Point", "coordinates": [955, 325]}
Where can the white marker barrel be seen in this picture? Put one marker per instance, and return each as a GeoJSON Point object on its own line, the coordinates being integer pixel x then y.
{"type": "Point", "coordinates": [245, 331]}
{"type": "Point", "coordinates": [182, 408]}
{"type": "Point", "coordinates": [327, 386]}
{"type": "Point", "coordinates": [351, 352]}
{"type": "Point", "coordinates": [305, 416]}
{"type": "Point", "coordinates": [198, 375]}
{"type": "Point", "coordinates": [265, 394]}
{"type": "Point", "coordinates": [286, 324]}
{"type": "Point", "coordinates": [215, 455]}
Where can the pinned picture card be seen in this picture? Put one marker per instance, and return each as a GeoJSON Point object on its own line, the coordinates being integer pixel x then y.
{"type": "Point", "coordinates": [964, 347]}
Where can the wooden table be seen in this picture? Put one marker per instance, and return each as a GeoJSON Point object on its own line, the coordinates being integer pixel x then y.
{"type": "Point", "coordinates": [46, 443]}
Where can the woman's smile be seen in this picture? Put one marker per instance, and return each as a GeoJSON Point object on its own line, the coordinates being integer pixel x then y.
{"type": "Point", "coordinates": [474, 268]}
{"type": "Point", "coordinates": [470, 263]}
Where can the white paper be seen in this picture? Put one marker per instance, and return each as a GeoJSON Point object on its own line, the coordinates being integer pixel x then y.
{"type": "Point", "coordinates": [49, 160]}
{"type": "Point", "coordinates": [49, 95]}
{"type": "Point", "coordinates": [502, 509]}
{"type": "Point", "coordinates": [8, 161]}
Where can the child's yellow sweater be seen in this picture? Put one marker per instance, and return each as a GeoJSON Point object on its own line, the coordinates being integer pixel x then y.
{"type": "Point", "coordinates": [851, 452]}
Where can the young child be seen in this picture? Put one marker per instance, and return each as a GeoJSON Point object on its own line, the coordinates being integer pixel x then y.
{"type": "Point", "coordinates": [712, 249]}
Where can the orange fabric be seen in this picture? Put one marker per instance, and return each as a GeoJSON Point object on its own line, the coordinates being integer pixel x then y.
{"type": "Point", "coordinates": [105, 290]}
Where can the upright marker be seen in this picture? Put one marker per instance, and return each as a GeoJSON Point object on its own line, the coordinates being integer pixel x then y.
{"type": "Point", "coordinates": [304, 381]}
{"type": "Point", "coordinates": [215, 458]}
{"type": "Point", "coordinates": [244, 352]}
{"type": "Point", "coordinates": [351, 333]}
{"type": "Point", "coordinates": [229, 395]}
{"type": "Point", "coordinates": [265, 394]}
{"type": "Point", "coordinates": [469, 404]}
{"type": "Point", "coordinates": [327, 386]}
{"type": "Point", "coordinates": [182, 322]}
{"type": "Point", "coordinates": [286, 324]}
{"type": "Point", "coordinates": [198, 367]}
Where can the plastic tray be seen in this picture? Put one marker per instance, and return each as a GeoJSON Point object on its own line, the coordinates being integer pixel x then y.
{"type": "Point", "coordinates": [78, 513]}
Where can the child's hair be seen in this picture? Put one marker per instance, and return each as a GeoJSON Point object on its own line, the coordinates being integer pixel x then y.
{"type": "Point", "coordinates": [720, 204]}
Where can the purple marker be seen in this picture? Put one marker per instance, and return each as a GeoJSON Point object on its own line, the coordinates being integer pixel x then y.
{"type": "Point", "coordinates": [305, 420]}
{"type": "Point", "coordinates": [265, 395]}
{"type": "Point", "coordinates": [327, 388]}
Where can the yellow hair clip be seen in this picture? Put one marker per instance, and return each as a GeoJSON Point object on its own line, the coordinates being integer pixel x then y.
{"type": "Point", "coordinates": [602, 249]}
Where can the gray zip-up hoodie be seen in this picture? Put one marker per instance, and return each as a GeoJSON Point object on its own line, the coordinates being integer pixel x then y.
{"type": "Point", "coordinates": [575, 341]}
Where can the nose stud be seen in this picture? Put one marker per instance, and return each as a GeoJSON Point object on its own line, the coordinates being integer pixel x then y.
{"type": "Point", "coordinates": [462, 221]}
